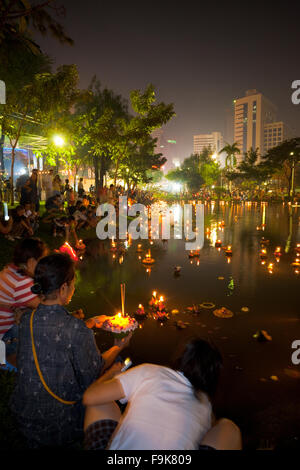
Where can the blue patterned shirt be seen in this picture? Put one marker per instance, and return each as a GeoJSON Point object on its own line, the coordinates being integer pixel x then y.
{"type": "Point", "coordinates": [69, 361]}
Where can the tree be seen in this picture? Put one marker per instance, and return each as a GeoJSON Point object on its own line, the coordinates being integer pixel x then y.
{"type": "Point", "coordinates": [188, 173]}
{"type": "Point", "coordinates": [283, 160]}
{"type": "Point", "coordinates": [112, 136]}
{"type": "Point", "coordinates": [148, 117]}
{"type": "Point", "coordinates": [37, 104]}
{"type": "Point", "coordinates": [249, 170]}
{"type": "Point", "coordinates": [230, 159]}
{"type": "Point", "coordinates": [142, 164]}
{"type": "Point", "coordinates": [18, 67]}
{"type": "Point", "coordinates": [95, 127]}
{"type": "Point", "coordinates": [20, 18]}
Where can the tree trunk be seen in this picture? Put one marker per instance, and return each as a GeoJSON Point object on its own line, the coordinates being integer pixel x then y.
{"type": "Point", "coordinates": [96, 169]}
{"type": "Point", "coordinates": [12, 195]}
{"type": "Point", "coordinates": [101, 173]}
{"type": "Point", "coordinates": [2, 152]}
{"type": "Point", "coordinates": [57, 163]}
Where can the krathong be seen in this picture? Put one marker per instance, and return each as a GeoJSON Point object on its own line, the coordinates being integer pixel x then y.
{"type": "Point", "coordinates": [148, 259]}
{"type": "Point", "coordinates": [140, 312]}
{"type": "Point", "coordinates": [66, 248]}
{"type": "Point", "coordinates": [120, 325]}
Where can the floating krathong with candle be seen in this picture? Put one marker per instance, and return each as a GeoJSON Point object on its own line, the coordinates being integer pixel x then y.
{"type": "Point", "coordinates": [120, 325]}
{"type": "Point", "coordinates": [263, 241]}
{"type": "Point", "coordinates": [140, 312]}
{"type": "Point", "coordinates": [139, 248]}
{"type": "Point", "coordinates": [263, 253]}
{"type": "Point", "coordinates": [218, 244]}
{"type": "Point", "coordinates": [277, 251]}
{"type": "Point", "coordinates": [158, 307]}
{"type": "Point", "coordinates": [298, 248]}
{"type": "Point", "coordinates": [80, 246]}
{"type": "Point", "coordinates": [113, 247]}
{"type": "Point", "coordinates": [148, 259]}
{"type": "Point", "coordinates": [194, 253]}
{"type": "Point", "coordinates": [296, 262]}
{"type": "Point", "coordinates": [270, 268]}
{"type": "Point", "coordinates": [228, 251]}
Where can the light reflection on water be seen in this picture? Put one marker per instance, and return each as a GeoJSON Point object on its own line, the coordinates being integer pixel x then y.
{"type": "Point", "coordinates": [243, 280]}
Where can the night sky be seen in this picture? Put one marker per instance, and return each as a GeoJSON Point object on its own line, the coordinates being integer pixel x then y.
{"type": "Point", "coordinates": [198, 57]}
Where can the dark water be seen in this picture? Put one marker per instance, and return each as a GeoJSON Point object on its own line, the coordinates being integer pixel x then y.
{"type": "Point", "coordinates": [266, 409]}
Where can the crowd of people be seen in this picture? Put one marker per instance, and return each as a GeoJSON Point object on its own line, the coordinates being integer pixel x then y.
{"type": "Point", "coordinates": [66, 210]}
{"type": "Point", "coordinates": [67, 392]}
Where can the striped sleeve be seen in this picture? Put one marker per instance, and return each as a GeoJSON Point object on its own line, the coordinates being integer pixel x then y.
{"type": "Point", "coordinates": [23, 294]}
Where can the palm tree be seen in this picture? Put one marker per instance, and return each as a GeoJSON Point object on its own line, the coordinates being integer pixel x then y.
{"type": "Point", "coordinates": [18, 19]}
{"type": "Point", "coordinates": [230, 160]}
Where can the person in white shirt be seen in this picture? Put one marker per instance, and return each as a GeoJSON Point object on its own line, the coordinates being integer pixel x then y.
{"type": "Point", "coordinates": [168, 409]}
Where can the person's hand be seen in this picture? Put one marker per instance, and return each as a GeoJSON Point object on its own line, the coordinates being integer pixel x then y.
{"type": "Point", "coordinates": [78, 314]}
{"type": "Point", "coordinates": [124, 342]}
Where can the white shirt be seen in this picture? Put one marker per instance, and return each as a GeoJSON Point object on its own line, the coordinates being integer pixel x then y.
{"type": "Point", "coordinates": [162, 412]}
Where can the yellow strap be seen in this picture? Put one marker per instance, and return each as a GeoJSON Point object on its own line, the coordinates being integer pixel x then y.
{"type": "Point", "coordinates": [38, 367]}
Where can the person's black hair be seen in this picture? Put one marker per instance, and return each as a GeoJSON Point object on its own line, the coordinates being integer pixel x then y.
{"type": "Point", "coordinates": [82, 209]}
{"type": "Point", "coordinates": [29, 248]}
{"type": "Point", "coordinates": [201, 364]}
{"type": "Point", "coordinates": [52, 272]}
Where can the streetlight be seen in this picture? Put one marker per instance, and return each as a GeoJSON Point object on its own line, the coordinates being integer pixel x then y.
{"type": "Point", "coordinates": [293, 176]}
{"type": "Point", "coordinates": [58, 140]}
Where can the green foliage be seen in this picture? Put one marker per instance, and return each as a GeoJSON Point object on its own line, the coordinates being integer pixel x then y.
{"type": "Point", "coordinates": [282, 161]}
{"type": "Point", "coordinates": [37, 104]}
{"type": "Point", "coordinates": [196, 171]}
{"type": "Point", "coordinates": [19, 18]}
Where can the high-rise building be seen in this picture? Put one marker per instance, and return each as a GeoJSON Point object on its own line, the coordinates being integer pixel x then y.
{"type": "Point", "coordinates": [252, 114]}
{"type": "Point", "coordinates": [167, 147]}
{"type": "Point", "coordinates": [275, 133]}
{"type": "Point", "coordinates": [213, 140]}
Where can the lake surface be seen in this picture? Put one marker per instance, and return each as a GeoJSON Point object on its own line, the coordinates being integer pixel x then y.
{"type": "Point", "coordinates": [259, 386]}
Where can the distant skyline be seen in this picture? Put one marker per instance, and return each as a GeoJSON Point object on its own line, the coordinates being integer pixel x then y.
{"type": "Point", "coordinates": [198, 57]}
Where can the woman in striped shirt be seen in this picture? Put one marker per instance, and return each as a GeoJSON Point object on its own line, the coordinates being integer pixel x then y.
{"type": "Point", "coordinates": [15, 289]}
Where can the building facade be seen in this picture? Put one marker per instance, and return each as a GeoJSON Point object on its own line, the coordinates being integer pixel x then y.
{"type": "Point", "coordinates": [274, 134]}
{"type": "Point", "coordinates": [214, 140]}
{"type": "Point", "coordinates": [252, 114]}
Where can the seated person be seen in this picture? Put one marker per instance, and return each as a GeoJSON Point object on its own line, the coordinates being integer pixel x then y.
{"type": "Point", "coordinates": [92, 219]}
{"type": "Point", "coordinates": [80, 216]}
{"type": "Point", "coordinates": [31, 216]}
{"type": "Point", "coordinates": [21, 227]}
{"type": "Point", "coordinates": [66, 354]}
{"type": "Point", "coordinates": [54, 208]}
{"type": "Point", "coordinates": [168, 409]}
{"type": "Point", "coordinates": [73, 208]}
{"type": "Point", "coordinates": [64, 226]}
{"type": "Point", "coordinates": [15, 288]}
{"type": "Point", "coordinates": [59, 226]}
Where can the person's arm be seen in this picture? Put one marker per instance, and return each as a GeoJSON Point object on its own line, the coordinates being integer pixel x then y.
{"type": "Point", "coordinates": [111, 354]}
{"type": "Point", "coordinates": [101, 392]}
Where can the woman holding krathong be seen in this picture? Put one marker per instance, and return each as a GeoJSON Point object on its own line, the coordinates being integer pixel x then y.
{"type": "Point", "coordinates": [57, 360]}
